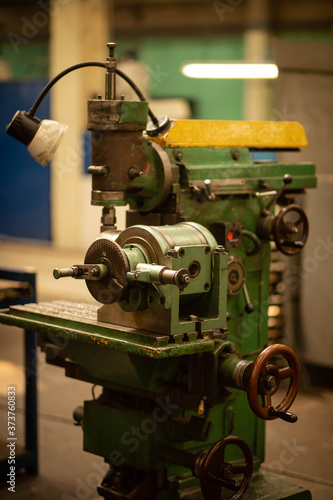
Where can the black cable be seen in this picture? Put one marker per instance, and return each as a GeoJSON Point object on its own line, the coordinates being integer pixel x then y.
{"type": "Point", "coordinates": [54, 80]}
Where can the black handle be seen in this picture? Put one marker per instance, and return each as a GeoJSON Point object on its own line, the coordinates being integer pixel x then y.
{"type": "Point", "coordinates": [284, 415]}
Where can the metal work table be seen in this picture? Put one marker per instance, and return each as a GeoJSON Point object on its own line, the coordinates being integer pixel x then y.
{"type": "Point", "coordinates": [79, 322]}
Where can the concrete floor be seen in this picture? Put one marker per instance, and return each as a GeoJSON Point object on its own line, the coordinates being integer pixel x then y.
{"type": "Point", "coordinates": [301, 454]}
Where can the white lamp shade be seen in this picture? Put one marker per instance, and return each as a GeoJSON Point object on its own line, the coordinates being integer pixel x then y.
{"type": "Point", "coordinates": [46, 140]}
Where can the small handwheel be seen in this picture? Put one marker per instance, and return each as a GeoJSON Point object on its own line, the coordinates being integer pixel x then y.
{"type": "Point", "coordinates": [216, 474]}
{"type": "Point", "coordinates": [290, 230]}
{"type": "Point", "coordinates": [265, 378]}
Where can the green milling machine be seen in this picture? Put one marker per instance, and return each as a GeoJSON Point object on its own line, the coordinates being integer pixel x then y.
{"type": "Point", "coordinates": [179, 342]}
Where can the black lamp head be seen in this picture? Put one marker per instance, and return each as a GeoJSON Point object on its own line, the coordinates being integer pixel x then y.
{"type": "Point", "coordinates": [23, 127]}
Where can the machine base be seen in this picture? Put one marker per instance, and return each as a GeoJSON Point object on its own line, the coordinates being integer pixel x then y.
{"type": "Point", "coordinates": [186, 487]}
{"type": "Point", "coordinates": [262, 487]}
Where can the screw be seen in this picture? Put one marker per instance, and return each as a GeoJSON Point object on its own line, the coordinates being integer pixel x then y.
{"type": "Point", "coordinates": [270, 381]}
{"type": "Point", "coordinates": [219, 250]}
{"type": "Point", "coordinates": [287, 179]}
{"type": "Point", "coordinates": [133, 173]}
{"type": "Point", "coordinates": [235, 154]}
{"type": "Point", "coordinates": [185, 279]}
{"type": "Point", "coordinates": [178, 155]}
{"type": "Point", "coordinates": [227, 471]}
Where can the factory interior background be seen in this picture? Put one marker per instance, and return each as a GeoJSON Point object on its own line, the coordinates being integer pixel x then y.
{"type": "Point", "coordinates": [47, 220]}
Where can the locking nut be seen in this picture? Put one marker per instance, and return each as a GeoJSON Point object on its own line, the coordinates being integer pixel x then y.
{"type": "Point", "coordinates": [219, 250]}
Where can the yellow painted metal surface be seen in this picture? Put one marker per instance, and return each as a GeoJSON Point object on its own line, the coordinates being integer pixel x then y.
{"type": "Point", "coordinates": [224, 134]}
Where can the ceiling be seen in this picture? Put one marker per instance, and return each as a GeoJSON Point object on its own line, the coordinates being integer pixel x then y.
{"type": "Point", "coordinates": [155, 18]}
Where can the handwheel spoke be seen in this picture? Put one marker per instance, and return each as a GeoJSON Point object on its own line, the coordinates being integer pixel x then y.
{"type": "Point", "coordinates": [286, 373]}
{"type": "Point", "coordinates": [240, 469]}
{"type": "Point", "coordinates": [267, 400]}
{"type": "Point", "coordinates": [297, 221]}
{"type": "Point", "coordinates": [230, 484]}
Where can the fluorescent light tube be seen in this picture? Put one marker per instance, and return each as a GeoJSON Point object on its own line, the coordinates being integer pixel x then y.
{"type": "Point", "coordinates": [230, 70]}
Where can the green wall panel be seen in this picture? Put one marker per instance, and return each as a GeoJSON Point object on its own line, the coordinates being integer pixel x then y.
{"type": "Point", "coordinates": [213, 99]}
{"type": "Point", "coordinates": [30, 60]}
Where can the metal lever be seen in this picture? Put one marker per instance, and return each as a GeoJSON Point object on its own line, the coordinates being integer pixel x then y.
{"type": "Point", "coordinates": [284, 415]}
{"type": "Point", "coordinates": [67, 272]}
{"type": "Point", "coordinates": [208, 188]}
{"type": "Point", "coordinates": [249, 308]}
{"type": "Point", "coordinates": [152, 273]}
{"type": "Point", "coordinates": [293, 244]}
{"type": "Point", "coordinates": [226, 480]}
{"type": "Point", "coordinates": [287, 179]}
{"type": "Point", "coordinates": [98, 170]}
{"type": "Point", "coordinates": [85, 271]}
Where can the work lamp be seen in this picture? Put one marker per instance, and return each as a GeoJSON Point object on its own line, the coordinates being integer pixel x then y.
{"type": "Point", "coordinates": [44, 136]}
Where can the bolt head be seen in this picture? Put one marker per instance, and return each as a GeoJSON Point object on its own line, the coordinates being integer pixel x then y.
{"type": "Point", "coordinates": [287, 179]}
{"type": "Point", "coordinates": [235, 154]}
{"type": "Point", "coordinates": [178, 155]}
{"type": "Point", "coordinates": [219, 250]}
{"type": "Point", "coordinates": [228, 471]}
{"type": "Point", "coordinates": [270, 381]}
